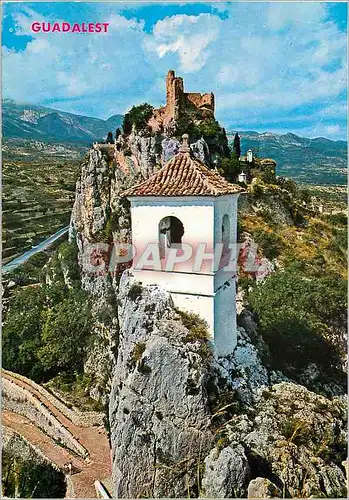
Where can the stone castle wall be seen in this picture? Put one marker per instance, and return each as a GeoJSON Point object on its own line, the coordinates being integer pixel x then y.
{"type": "Point", "coordinates": [201, 100]}
{"type": "Point", "coordinates": [178, 103]}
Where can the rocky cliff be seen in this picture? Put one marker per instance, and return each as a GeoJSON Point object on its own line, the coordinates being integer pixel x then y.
{"type": "Point", "coordinates": [186, 424]}
{"type": "Point", "coordinates": [100, 217]}
{"type": "Point", "coordinates": [182, 423]}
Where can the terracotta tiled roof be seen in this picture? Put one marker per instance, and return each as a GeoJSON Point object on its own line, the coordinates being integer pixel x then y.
{"type": "Point", "coordinates": [184, 175]}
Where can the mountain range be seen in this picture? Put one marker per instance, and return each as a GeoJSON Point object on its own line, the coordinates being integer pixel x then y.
{"type": "Point", "coordinates": [27, 121]}
{"type": "Point", "coordinates": [314, 161]}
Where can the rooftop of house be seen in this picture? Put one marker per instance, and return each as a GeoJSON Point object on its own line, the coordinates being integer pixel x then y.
{"type": "Point", "coordinates": [184, 175]}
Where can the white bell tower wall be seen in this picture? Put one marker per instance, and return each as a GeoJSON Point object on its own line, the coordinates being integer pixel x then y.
{"type": "Point", "coordinates": [207, 290]}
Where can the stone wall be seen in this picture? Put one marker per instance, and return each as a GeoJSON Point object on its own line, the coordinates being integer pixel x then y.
{"type": "Point", "coordinates": [178, 103]}
{"type": "Point", "coordinates": [201, 100]}
{"type": "Point", "coordinates": [17, 446]}
{"type": "Point", "coordinates": [21, 401]}
{"type": "Point", "coordinates": [84, 419]}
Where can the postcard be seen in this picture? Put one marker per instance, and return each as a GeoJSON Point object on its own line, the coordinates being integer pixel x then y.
{"type": "Point", "coordinates": [174, 258]}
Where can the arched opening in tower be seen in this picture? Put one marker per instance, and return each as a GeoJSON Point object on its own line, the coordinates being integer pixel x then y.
{"type": "Point", "coordinates": [171, 231]}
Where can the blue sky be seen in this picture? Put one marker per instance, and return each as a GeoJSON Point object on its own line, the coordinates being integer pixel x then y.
{"type": "Point", "coordinates": [273, 66]}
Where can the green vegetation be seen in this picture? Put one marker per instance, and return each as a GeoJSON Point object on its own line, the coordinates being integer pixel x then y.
{"type": "Point", "coordinates": [138, 351]}
{"type": "Point", "coordinates": [197, 332]}
{"type": "Point", "coordinates": [65, 328]}
{"type": "Point", "coordinates": [46, 331]}
{"type": "Point", "coordinates": [137, 116]}
{"type": "Point", "coordinates": [29, 479]}
{"type": "Point", "coordinates": [237, 145]}
{"type": "Point", "coordinates": [302, 306]}
{"type": "Point", "coordinates": [31, 271]}
{"type": "Point", "coordinates": [271, 243]}
{"type": "Point", "coordinates": [230, 168]}
{"type": "Point", "coordinates": [285, 226]}
{"type": "Point", "coordinates": [74, 388]}
{"type": "Point", "coordinates": [198, 328]}
{"type": "Point", "coordinates": [300, 318]}
{"type": "Point", "coordinates": [47, 328]}
{"type": "Point", "coordinates": [209, 129]}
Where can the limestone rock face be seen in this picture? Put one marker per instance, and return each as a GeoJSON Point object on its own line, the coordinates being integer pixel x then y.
{"type": "Point", "coordinates": [145, 152]}
{"type": "Point", "coordinates": [229, 427]}
{"type": "Point", "coordinates": [226, 473]}
{"type": "Point", "coordinates": [244, 370]}
{"type": "Point", "coordinates": [170, 147]}
{"type": "Point", "coordinates": [92, 196]}
{"type": "Point", "coordinates": [89, 220]}
{"type": "Point", "coordinates": [158, 404]}
{"type": "Point", "coordinates": [201, 151]}
{"type": "Point", "coordinates": [293, 433]}
{"type": "Point", "coordinates": [261, 487]}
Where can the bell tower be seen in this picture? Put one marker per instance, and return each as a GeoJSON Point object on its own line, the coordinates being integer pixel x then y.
{"type": "Point", "coordinates": [184, 229]}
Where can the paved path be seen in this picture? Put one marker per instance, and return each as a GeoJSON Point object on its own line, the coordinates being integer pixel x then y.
{"type": "Point", "coordinates": [39, 248]}
{"type": "Point", "coordinates": [96, 467]}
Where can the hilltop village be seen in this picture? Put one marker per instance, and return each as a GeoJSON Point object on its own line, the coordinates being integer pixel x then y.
{"type": "Point", "coordinates": [172, 379]}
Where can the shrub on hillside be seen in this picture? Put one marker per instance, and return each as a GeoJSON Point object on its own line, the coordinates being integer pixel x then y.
{"type": "Point", "coordinates": [209, 128]}
{"type": "Point", "coordinates": [301, 319]}
{"type": "Point", "coordinates": [45, 331]}
{"type": "Point", "coordinates": [68, 254]}
{"type": "Point", "coordinates": [230, 168]}
{"type": "Point", "coordinates": [66, 328]}
{"type": "Point", "coordinates": [270, 243]}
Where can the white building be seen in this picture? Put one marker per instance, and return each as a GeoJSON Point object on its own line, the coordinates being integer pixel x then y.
{"type": "Point", "coordinates": [249, 156]}
{"type": "Point", "coordinates": [242, 177]}
{"type": "Point", "coordinates": [180, 215]}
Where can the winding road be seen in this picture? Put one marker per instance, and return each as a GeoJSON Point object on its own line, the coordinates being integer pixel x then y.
{"type": "Point", "coordinates": [39, 248]}
{"type": "Point", "coordinates": [96, 467]}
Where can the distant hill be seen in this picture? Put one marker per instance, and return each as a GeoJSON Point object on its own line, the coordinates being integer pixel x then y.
{"type": "Point", "coordinates": [313, 161]}
{"type": "Point", "coordinates": [27, 121]}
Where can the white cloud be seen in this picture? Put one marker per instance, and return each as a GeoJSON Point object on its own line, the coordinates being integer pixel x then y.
{"type": "Point", "coordinates": [262, 61]}
{"type": "Point", "coordinates": [332, 130]}
{"type": "Point", "coordinates": [280, 15]}
{"type": "Point", "coordinates": [187, 36]}
{"type": "Point", "coordinates": [58, 66]}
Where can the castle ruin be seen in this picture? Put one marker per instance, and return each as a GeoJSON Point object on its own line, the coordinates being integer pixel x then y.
{"type": "Point", "coordinates": [179, 103]}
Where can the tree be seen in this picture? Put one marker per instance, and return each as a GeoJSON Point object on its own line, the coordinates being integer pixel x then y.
{"type": "Point", "coordinates": [117, 133]}
{"type": "Point", "coordinates": [237, 147]}
{"type": "Point", "coordinates": [65, 331]}
{"type": "Point", "coordinates": [209, 129]}
{"type": "Point", "coordinates": [137, 116]}
{"type": "Point", "coordinates": [301, 319]}
{"type": "Point", "coordinates": [230, 168]}
{"type": "Point", "coordinates": [110, 139]}
{"type": "Point", "coordinates": [46, 330]}
{"type": "Point", "coordinates": [22, 332]}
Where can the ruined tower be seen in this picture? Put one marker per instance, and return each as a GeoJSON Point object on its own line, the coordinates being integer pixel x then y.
{"type": "Point", "coordinates": [179, 103]}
